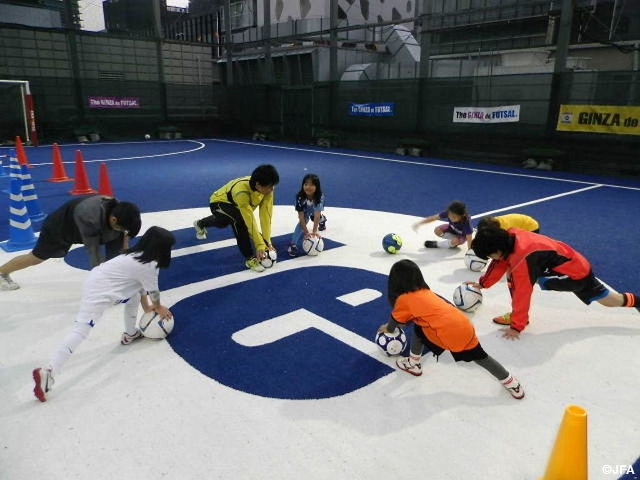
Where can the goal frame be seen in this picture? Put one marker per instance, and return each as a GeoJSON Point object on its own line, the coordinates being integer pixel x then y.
{"type": "Point", "coordinates": [28, 110]}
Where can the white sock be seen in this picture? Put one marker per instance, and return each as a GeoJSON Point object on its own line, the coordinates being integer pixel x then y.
{"type": "Point", "coordinates": [131, 314]}
{"type": "Point", "coordinates": [78, 333]}
{"type": "Point", "coordinates": [448, 241]}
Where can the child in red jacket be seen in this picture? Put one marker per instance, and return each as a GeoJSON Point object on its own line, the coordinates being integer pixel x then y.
{"type": "Point", "coordinates": [528, 258]}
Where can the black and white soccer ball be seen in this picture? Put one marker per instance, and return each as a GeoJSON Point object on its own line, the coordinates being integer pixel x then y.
{"type": "Point", "coordinates": [313, 245]}
{"type": "Point", "coordinates": [153, 325]}
{"type": "Point", "coordinates": [392, 344]}
{"type": "Point", "coordinates": [270, 260]}
{"type": "Point", "coordinates": [467, 298]}
{"type": "Point", "coordinates": [473, 262]}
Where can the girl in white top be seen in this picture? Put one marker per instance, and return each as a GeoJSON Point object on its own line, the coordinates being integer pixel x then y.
{"type": "Point", "coordinates": [130, 278]}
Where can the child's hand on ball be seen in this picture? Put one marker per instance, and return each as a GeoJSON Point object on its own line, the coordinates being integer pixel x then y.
{"type": "Point", "coordinates": [163, 311]}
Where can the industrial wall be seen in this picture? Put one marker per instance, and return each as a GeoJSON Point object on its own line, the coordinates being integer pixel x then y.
{"type": "Point", "coordinates": [72, 72]}
{"type": "Point", "coordinates": [123, 88]}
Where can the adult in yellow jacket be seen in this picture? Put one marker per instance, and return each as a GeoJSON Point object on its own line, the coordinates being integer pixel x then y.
{"type": "Point", "coordinates": [233, 205]}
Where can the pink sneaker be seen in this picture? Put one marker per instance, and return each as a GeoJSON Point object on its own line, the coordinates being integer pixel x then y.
{"type": "Point", "coordinates": [44, 382]}
{"type": "Point", "coordinates": [409, 366]}
{"type": "Point", "coordinates": [512, 385]}
{"type": "Point", "coordinates": [127, 339]}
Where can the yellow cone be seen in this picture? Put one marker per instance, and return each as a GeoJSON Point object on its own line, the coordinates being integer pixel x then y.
{"type": "Point", "coordinates": [568, 459]}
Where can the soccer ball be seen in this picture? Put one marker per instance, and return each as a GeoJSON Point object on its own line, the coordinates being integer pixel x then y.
{"type": "Point", "coordinates": [474, 263]}
{"type": "Point", "coordinates": [152, 325]}
{"type": "Point", "coordinates": [392, 343]}
{"type": "Point", "coordinates": [467, 298]}
{"type": "Point", "coordinates": [391, 243]}
{"type": "Point", "coordinates": [147, 136]}
{"type": "Point", "coordinates": [270, 260]}
{"type": "Point", "coordinates": [313, 245]}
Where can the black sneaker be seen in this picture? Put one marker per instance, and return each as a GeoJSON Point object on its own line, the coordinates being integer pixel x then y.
{"type": "Point", "coordinates": [431, 244]}
{"type": "Point", "coordinates": [322, 225]}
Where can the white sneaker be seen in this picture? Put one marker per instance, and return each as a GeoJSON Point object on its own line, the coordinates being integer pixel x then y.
{"type": "Point", "coordinates": [512, 385]}
{"type": "Point", "coordinates": [44, 383]}
{"type": "Point", "coordinates": [7, 283]}
{"type": "Point", "coordinates": [409, 366]}
{"type": "Point", "coordinates": [201, 233]}
{"type": "Point", "coordinates": [127, 339]}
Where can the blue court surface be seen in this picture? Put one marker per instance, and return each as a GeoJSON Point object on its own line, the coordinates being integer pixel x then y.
{"type": "Point", "coordinates": [275, 375]}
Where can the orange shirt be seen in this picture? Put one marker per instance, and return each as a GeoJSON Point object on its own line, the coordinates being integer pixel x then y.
{"type": "Point", "coordinates": [441, 322]}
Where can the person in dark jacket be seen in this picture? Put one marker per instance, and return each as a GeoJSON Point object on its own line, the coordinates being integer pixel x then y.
{"type": "Point", "coordinates": [93, 221]}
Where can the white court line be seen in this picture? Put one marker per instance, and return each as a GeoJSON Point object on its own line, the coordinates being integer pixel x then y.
{"type": "Point", "coordinates": [543, 199]}
{"type": "Point", "coordinates": [372, 157]}
{"type": "Point", "coordinates": [200, 147]}
{"type": "Point", "coordinates": [283, 326]}
{"type": "Point", "coordinates": [204, 247]}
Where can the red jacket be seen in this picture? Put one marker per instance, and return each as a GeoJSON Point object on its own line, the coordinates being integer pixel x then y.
{"type": "Point", "coordinates": [533, 256]}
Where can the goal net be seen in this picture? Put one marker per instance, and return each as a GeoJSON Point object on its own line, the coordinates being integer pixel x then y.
{"type": "Point", "coordinates": [18, 115]}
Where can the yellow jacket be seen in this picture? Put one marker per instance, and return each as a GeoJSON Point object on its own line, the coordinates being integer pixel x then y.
{"type": "Point", "coordinates": [238, 192]}
{"type": "Point", "coordinates": [517, 220]}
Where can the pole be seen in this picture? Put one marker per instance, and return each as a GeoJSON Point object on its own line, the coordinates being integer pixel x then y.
{"type": "Point", "coordinates": [333, 40]}
{"type": "Point", "coordinates": [266, 35]}
{"type": "Point", "coordinates": [560, 65]}
{"type": "Point", "coordinates": [425, 38]}
{"type": "Point", "coordinates": [157, 29]}
{"type": "Point", "coordinates": [228, 42]}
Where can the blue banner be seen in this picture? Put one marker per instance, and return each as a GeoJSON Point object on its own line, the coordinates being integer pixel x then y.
{"type": "Point", "coordinates": [384, 109]}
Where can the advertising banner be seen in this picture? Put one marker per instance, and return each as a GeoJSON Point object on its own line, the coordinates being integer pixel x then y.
{"type": "Point", "coordinates": [508, 113]}
{"type": "Point", "coordinates": [599, 119]}
{"type": "Point", "coordinates": [114, 102]}
{"type": "Point", "coordinates": [381, 109]}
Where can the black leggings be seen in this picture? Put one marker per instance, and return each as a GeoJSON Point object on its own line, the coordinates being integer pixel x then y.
{"type": "Point", "coordinates": [419, 342]}
{"type": "Point", "coordinates": [225, 214]}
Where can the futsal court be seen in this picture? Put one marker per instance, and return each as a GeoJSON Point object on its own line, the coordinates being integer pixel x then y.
{"type": "Point", "coordinates": [275, 375]}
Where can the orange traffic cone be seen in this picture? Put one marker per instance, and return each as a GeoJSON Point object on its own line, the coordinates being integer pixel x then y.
{"type": "Point", "coordinates": [569, 455]}
{"type": "Point", "coordinates": [22, 156]}
{"type": "Point", "coordinates": [104, 184]}
{"type": "Point", "coordinates": [81, 185]}
{"type": "Point", "coordinates": [58, 173]}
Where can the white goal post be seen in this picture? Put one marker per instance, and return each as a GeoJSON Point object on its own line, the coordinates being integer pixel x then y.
{"type": "Point", "coordinates": [28, 111]}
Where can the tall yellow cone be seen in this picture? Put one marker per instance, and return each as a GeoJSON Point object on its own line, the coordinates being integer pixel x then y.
{"type": "Point", "coordinates": [568, 459]}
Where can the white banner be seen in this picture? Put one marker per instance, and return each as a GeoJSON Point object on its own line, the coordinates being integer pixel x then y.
{"type": "Point", "coordinates": [508, 113]}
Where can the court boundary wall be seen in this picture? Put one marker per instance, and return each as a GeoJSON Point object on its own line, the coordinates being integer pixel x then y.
{"type": "Point", "coordinates": [179, 93]}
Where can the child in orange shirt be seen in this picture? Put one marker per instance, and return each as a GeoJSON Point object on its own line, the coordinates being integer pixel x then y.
{"type": "Point", "coordinates": [438, 326]}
